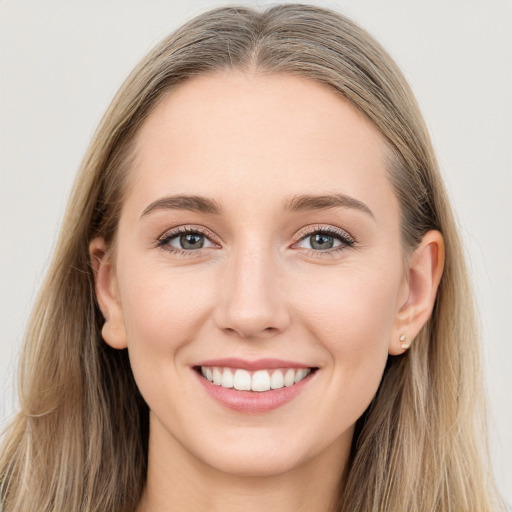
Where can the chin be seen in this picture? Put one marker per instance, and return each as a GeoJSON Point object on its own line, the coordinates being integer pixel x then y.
{"type": "Point", "coordinates": [256, 464]}
{"type": "Point", "coordinates": [266, 456]}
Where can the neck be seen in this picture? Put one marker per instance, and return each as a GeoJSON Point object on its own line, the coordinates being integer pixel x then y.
{"type": "Point", "coordinates": [178, 481]}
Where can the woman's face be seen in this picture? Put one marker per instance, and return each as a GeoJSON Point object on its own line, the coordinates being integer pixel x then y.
{"type": "Point", "coordinates": [259, 243]}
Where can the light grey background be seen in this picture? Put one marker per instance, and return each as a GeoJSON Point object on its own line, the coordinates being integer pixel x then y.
{"type": "Point", "coordinates": [61, 63]}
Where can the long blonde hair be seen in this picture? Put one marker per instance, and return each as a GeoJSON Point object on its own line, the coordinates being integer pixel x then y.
{"type": "Point", "coordinates": [80, 439]}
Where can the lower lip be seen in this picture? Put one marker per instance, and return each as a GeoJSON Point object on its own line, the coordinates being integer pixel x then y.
{"type": "Point", "coordinates": [254, 402]}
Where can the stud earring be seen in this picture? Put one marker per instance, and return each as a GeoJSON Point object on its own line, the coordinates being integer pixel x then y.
{"type": "Point", "coordinates": [403, 342]}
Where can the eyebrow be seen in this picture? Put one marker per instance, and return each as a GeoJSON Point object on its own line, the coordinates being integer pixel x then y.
{"type": "Point", "coordinates": [191, 203]}
{"type": "Point", "coordinates": [323, 202]}
{"type": "Point", "coordinates": [299, 203]}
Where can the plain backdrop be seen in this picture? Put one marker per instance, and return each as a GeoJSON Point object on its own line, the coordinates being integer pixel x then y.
{"type": "Point", "coordinates": [61, 63]}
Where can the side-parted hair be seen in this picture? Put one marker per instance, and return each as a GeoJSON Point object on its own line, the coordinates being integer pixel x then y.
{"type": "Point", "coordinates": [80, 439]}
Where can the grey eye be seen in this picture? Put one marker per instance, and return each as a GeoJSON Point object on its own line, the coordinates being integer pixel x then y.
{"type": "Point", "coordinates": [189, 241]}
{"type": "Point", "coordinates": [320, 242]}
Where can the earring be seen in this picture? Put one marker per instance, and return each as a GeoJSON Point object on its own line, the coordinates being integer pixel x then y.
{"type": "Point", "coordinates": [403, 342]}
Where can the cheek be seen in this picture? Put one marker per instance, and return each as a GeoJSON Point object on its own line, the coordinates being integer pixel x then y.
{"type": "Point", "coordinates": [350, 307]}
{"type": "Point", "coordinates": [163, 311]}
{"type": "Point", "coordinates": [352, 316]}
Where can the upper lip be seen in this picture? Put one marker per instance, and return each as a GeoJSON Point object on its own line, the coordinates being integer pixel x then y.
{"type": "Point", "coordinates": [258, 364]}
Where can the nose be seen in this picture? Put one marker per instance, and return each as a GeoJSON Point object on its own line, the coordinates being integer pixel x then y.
{"type": "Point", "coordinates": [252, 300]}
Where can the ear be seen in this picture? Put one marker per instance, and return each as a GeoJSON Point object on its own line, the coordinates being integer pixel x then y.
{"type": "Point", "coordinates": [107, 294]}
{"type": "Point", "coordinates": [423, 274]}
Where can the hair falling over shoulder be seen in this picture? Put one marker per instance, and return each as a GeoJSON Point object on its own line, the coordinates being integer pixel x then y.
{"type": "Point", "coordinates": [80, 438]}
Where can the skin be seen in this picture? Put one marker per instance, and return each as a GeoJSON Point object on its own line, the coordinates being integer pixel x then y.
{"type": "Point", "coordinates": [257, 288]}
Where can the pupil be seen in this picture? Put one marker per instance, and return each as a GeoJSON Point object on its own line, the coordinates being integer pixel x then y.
{"type": "Point", "coordinates": [322, 242]}
{"type": "Point", "coordinates": [191, 241]}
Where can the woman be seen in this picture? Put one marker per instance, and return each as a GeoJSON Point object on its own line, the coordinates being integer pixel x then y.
{"type": "Point", "coordinates": [258, 298]}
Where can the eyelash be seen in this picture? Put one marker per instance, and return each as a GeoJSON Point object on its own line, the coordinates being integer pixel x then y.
{"type": "Point", "coordinates": [347, 241]}
{"type": "Point", "coordinates": [164, 240]}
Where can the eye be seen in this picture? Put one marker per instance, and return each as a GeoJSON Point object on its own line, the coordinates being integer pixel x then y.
{"type": "Point", "coordinates": [320, 242]}
{"type": "Point", "coordinates": [323, 239]}
{"type": "Point", "coordinates": [188, 241]}
{"type": "Point", "coordinates": [185, 239]}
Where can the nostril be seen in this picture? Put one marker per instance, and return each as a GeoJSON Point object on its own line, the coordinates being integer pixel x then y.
{"type": "Point", "coordinates": [248, 333]}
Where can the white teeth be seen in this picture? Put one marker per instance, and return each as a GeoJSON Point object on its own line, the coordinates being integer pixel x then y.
{"type": "Point", "coordinates": [277, 380]}
{"type": "Point", "coordinates": [227, 378]}
{"type": "Point", "coordinates": [289, 378]}
{"type": "Point", "coordinates": [242, 380]}
{"type": "Point", "coordinates": [260, 380]}
{"type": "Point", "coordinates": [301, 373]}
{"type": "Point", "coordinates": [217, 376]}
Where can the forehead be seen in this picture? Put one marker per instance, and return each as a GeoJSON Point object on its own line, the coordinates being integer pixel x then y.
{"type": "Point", "coordinates": [231, 132]}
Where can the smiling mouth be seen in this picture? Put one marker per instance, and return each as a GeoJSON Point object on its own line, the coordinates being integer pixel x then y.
{"type": "Point", "coordinates": [258, 381]}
